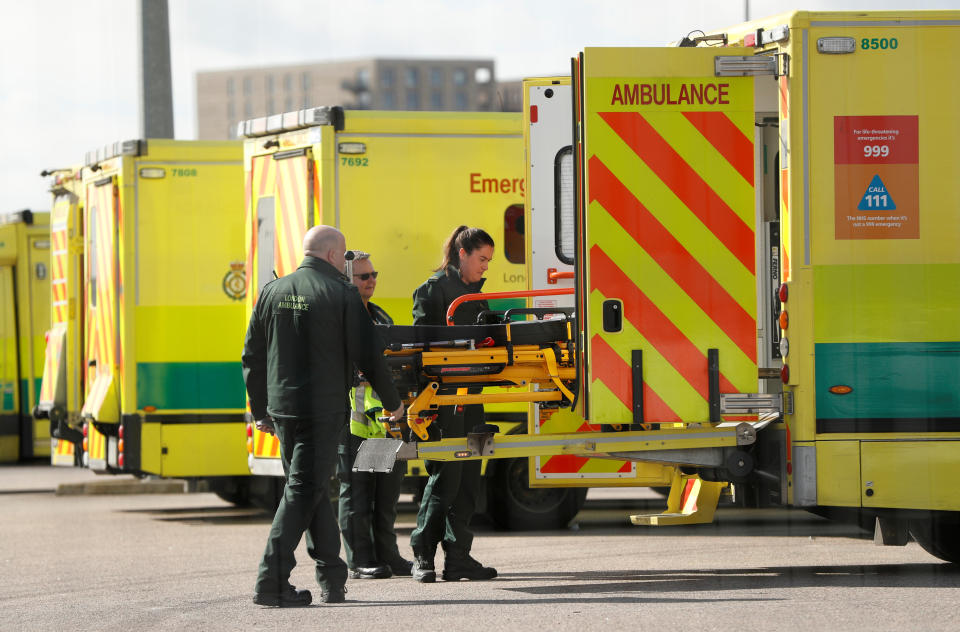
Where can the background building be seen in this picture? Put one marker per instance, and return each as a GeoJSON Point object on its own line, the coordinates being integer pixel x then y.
{"type": "Point", "coordinates": [227, 96]}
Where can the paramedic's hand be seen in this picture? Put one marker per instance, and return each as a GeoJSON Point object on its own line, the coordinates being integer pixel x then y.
{"type": "Point", "coordinates": [398, 414]}
{"type": "Point", "coordinates": [265, 425]}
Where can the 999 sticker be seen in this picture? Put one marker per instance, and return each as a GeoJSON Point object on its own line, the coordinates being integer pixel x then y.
{"type": "Point", "coordinates": [876, 177]}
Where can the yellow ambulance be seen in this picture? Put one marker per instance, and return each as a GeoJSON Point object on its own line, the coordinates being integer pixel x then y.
{"type": "Point", "coordinates": [396, 184]}
{"type": "Point", "coordinates": [61, 390]}
{"type": "Point", "coordinates": [24, 317]}
{"type": "Point", "coordinates": [765, 247]}
{"type": "Point", "coordinates": [154, 340]}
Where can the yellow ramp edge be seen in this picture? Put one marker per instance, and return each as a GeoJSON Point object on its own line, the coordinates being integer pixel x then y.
{"type": "Point", "coordinates": [692, 500]}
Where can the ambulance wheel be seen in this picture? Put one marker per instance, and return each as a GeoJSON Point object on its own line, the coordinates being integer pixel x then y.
{"type": "Point", "coordinates": [939, 535]}
{"type": "Point", "coordinates": [266, 492]}
{"type": "Point", "coordinates": [513, 505]}
{"type": "Point", "coordinates": [234, 490]}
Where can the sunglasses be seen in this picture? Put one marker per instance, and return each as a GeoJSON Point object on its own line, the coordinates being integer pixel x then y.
{"type": "Point", "coordinates": [366, 275]}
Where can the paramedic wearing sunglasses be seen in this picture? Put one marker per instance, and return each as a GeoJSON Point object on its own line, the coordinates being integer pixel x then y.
{"type": "Point", "coordinates": [368, 501]}
{"type": "Point", "coordinates": [450, 497]}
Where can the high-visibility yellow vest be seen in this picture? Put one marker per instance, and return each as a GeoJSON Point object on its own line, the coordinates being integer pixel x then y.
{"type": "Point", "coordinates": [364, 400]}
{"type": "Point", "coordinates": [366, 409]}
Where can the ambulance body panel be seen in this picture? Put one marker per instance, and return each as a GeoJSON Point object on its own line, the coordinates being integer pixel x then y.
{"type": "Point", "coordinates": [163, 308]}
{"type": "Point", "coordinates": [24, 317]}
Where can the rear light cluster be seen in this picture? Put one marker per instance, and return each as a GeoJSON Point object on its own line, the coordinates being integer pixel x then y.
{"type": "Point", "coordinates": [784, 320]}
{"type": "Point", "coordinates": [249, 438]}
{"type": "Point", "coordinates": [120, 447]}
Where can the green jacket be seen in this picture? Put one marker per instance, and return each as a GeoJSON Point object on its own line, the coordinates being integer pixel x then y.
{"type": "Point", "coordinates": [365, 401]}
{"type": "Point", "coordinates": [307, 331]}
{"type": "Point", "coordinates": [433, 297]}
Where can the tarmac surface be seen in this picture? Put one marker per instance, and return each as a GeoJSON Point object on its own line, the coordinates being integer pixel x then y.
{"type": "Point", "coordinates": [159, 561]}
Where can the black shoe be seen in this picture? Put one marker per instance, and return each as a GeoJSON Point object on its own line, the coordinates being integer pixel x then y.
{"type": "Point", "coordinates": [334, 595]}
{"type": "Point", "coordinates": [401, 567]}
{"type": "Point", "coordinates": [423, 571]}
{"type": "Point", "coordinates": [457, 568]}
{"type": "Point", "coordinates": [377, 571]}
{"type": "Point", "coordinates": [291, 598]}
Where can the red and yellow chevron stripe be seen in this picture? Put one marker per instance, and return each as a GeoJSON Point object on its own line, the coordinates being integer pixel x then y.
{"type": "Point", "coordinates": [56, 340]}
{"type": "Point", "coordinates": [293, 191]}
{"type": "Point", "coordinates": [265, 445]}
{"type": "Point", "coordinates": [670, 234]}
{"type": "Point", "coordinates": [59, 298]}
{"type": "Point", "coordinates": [101, 322]}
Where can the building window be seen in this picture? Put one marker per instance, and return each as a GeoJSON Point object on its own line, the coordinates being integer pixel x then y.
{"type": "Point", "coordinates": [270, 85]}
{"type": "Point", "coordinates": [436, 76]}
{"type": "Point", "coordinates": [230, 86]}
{"type": "Point", "coordinates": [231, 131]}
{"type": "Point", "coordinates": [459, 77]}
{"type": "Point", "coordinates": [247, 86]}
{"type": "Point", "coordinates": [389, 102]}
{"type": "Point", "coordinates": [436, 100]}
{"type": "Point", "coordinates": [363, 77]}
{"type": "Point", "coordinates": [247, 109]}
{"type": "Point", "coordinates": [305, 82]}
{"type": "Point", "coordinates": [413, 100]}
{"type": "Point", "coordinates": [461, 100]}
{"type": "Point", "coordinates": [412, 77]}
{"type": "Point", "coordinates": [387, 77]}
{"type": "Point", "coordinates": [287, 103]}
{"type": "Point", "coordinates": [306, 101]}
{"type": "Point", "coordinates": [270, 106]}
{"type": "Point", "coordinates": [287, 82]}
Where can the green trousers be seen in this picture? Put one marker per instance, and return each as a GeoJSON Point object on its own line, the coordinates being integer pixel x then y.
{"type": "Point", "coordinates": [450, 497]}
{"type": "Point", "coordinates": [368, 508]}
{"type": "Point", "coordinates": [308, 450]}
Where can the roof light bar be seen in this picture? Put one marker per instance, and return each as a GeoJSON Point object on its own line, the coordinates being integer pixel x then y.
{"type": "Point", "coordinates": [290, 121]}
{"type": "Point", "coordinates": [119, 148]}
{"type": "Point", "coordinates": [738, 66]}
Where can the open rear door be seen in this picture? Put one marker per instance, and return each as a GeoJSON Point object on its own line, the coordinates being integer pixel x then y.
{"type": "Point", "coordinates": [667, 268]}
{"type": "Point", "coordinates": [101, 405]}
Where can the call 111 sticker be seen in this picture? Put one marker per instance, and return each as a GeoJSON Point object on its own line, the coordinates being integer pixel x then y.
{"type": "Point", "coordinates": [876, 177]}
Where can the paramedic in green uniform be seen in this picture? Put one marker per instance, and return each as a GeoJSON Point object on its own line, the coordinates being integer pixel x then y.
{"type": "Point", "coordinates": [307, 331]}
{"type": "Point", "coordinates": [368, 501]}
{"type": "Point", "coordinates": [450, 497]}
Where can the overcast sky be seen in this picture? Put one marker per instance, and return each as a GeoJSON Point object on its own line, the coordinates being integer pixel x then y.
{"type": "Point", "coordinates": [68, 68]}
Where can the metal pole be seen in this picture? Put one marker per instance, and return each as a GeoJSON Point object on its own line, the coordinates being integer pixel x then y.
{"type": "Point", "coordinates": [156, 94]}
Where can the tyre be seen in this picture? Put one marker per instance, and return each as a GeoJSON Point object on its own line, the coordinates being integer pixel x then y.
{"type": "Point", "coordinates": [939, 535]}
{"type": "Point", "coordinates": [266, 492]}
{"type": "Point", "coordinates": [513, 505]}
{"type": "Point", "coordinates": [234, 490]}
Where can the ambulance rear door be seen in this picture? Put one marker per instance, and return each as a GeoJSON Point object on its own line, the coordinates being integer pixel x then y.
{"type": "Point", "coordinates": [667, 255]}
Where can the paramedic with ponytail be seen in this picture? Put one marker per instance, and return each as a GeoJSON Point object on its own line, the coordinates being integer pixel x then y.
{"type": "Point", "coordinates": [451, 494]}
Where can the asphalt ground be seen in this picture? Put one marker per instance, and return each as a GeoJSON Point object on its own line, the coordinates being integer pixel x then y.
{"type": "Point", "coordinates": [159, 561]}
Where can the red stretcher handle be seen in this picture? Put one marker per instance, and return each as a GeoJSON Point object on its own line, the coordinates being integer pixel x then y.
{"type": "Point", "coordinates": [460, 300]}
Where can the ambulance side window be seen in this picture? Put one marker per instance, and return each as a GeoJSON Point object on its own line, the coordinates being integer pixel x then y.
{"type": "Point", "coordinates": [564, 216]}
{"type": "Point", "coordinates": [514, 247]}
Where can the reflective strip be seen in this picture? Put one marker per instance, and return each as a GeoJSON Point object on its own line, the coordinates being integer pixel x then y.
{"type": "Point", "coordinates": [597, 440]}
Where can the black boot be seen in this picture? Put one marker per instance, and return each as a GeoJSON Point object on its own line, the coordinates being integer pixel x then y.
{"type": "Point", "coordinates": [460, 567]}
